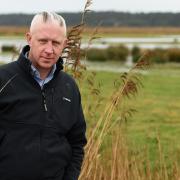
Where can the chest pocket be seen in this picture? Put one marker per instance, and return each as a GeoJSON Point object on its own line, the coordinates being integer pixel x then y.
{"type": "Point", "coordinates": [63, 107]}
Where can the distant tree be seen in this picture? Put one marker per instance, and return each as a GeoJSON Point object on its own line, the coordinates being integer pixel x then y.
{"type": "Point", "coordinates": [109, 18]}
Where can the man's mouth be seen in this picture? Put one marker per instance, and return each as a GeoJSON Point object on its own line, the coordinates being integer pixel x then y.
{"type": "Point", "coordinates": [48, 58]}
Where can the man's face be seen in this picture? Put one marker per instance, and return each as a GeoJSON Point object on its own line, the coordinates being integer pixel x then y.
{"type": "Point", "coordinates": [46, 41]}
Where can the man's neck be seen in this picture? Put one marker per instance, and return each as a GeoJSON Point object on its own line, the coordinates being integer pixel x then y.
{"type": "Point", "coordinates": [43, 73]}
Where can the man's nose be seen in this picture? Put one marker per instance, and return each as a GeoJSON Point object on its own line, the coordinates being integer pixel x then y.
{"type": "Point", "coordinates": [49, 48]}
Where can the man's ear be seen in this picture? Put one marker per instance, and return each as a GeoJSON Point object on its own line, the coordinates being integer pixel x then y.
{"type": "Point", "coordinates": [65, 42]}
{"type": "Point", "coordinates": [28, 38]}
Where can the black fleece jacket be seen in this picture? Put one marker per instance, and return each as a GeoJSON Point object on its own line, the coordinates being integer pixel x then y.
{"type": "Point", "coordinates": [42, 131]}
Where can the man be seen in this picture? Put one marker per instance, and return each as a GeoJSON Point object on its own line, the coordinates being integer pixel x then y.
{"type": "Point", "coordinates": [42, 127]}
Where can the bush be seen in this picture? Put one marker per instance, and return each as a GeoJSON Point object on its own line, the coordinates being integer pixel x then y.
{"type": "Point", "coordinates": [159, 56]}
{"type": "Point", "coordinates": [120, 53]}
{"type": "Point", "coordinates": [95, 54]}
{"type": "Point", "coordinates": [136, 53]}
{"type": "Point", "coordinates": [112, 53]}
{"type": "Point", "coordinates": [8, 48]}
{"type": "Point", "coordinates": [117, 53]}
{"type": "Point", "coordinates": [174, 55]}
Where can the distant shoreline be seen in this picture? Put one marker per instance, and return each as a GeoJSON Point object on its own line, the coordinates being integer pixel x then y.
{"type": "Point", "coordinates": [103, 31]}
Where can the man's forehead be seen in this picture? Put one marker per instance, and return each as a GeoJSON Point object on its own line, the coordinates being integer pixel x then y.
{"type": "Point", "coordinates": [49, 32]}
{"type": "Point", "coordinates": [40, 24]}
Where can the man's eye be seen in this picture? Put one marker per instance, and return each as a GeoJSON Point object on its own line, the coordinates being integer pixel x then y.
{"type": "Point", "coordinates": [42, 41]}
{"type": "Point", "coordinates": [56, 43]}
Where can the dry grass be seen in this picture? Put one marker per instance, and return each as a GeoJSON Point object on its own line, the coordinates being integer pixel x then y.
{"type": "Point", "coordinates": [127, 166]}
{"type": "Point", "coordinates": [136, 31]}
{"type": "Point", "coordinates": [13, 30]}
{"type": "Point", "coordinates": [105, 31]}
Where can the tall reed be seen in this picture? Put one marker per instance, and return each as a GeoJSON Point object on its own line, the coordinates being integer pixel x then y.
{"type": "Point", "coordinates": [121, 164]}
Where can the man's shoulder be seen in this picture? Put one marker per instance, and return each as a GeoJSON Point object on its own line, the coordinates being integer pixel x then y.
{"type": "Point", "coordinates": [8, 66]}
{"type": "Point", "coordinates": [7, 69]}
{"type": "Point", "coordinates": [7, 73]}
{"type": "Point", "coordinates": [67, 77]}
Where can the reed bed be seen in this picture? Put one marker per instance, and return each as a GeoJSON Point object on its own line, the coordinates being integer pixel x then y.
{"type": "Point", "coordinates": [114, 161]}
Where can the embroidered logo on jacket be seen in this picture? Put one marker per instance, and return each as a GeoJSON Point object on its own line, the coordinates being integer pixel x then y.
{"type": "Point", "coordinates": [66, 99]}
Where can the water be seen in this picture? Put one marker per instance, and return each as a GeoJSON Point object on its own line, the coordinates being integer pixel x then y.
{"type": "Point", "coordinates": [111, 67]}
{"type": "Point", "coordinates": [159, 39]}
{"type": "Point", "coordinates": [164, 42]}
{"type": "Point", "coordinates": [142, 42]}
{"type": "Point", "coordinates": [12, 41]}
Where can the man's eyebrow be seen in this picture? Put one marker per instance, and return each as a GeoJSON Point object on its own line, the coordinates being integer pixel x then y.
{"type": "Point", "coordinates": [55, 41]}
{"type": "Point", "coordinates": [42, 39]}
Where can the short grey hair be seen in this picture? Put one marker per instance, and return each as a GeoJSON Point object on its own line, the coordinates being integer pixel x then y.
{"type": "Point", "coordinates": [48, 17]}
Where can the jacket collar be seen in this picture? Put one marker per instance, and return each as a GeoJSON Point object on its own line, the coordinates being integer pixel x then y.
{"type": "Point", "coordinates": [26, 63]}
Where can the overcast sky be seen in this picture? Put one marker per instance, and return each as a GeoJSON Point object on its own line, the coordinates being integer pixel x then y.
{"type": "Point", "coordinates": [32, 6]}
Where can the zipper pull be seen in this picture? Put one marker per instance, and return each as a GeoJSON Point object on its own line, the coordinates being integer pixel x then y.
{"type": "Point", "coordinates": [44, 101]}
{"type": "Point", "coordinates": [45, 106]}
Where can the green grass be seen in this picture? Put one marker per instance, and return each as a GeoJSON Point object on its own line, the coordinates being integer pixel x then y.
{"type": "Point", "coordinates": [157, 105]}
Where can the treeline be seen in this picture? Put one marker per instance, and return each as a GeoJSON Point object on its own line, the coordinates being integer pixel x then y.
{"type": "Point", "coordinates": [109, 18]}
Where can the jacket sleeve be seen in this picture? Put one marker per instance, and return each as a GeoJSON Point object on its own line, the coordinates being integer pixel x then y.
{"type": "Point", "coordinates": [77, 140]}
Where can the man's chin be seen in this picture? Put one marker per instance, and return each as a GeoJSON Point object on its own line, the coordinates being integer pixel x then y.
{"type": "Point", "coordinates": [46, 66]}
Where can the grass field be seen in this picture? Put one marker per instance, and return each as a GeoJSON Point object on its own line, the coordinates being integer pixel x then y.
{"type": "Point", "coordinates": [158, 113]}
{"type": "Point", "coordinates": [104, 31]}
{"type": "Point", "coordinates": [157, 116]}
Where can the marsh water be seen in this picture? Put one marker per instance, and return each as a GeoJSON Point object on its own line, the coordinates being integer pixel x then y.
{"type": "Point", "coordinates": [142, 42]}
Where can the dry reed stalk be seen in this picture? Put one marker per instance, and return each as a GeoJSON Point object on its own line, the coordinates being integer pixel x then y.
{"type": "Point", "coordinates": [96, 169]}
{"type": "Point", "coordinates": [125, 167]}
{"type": "Point", "coordinates": [114, 168]}
{"type": "Point", "coordinates": [130, 87]}
{"type": "Point", "coordinates": [148, 168]}
{"type": "Point", "coordinates": [86, 10]}
{"type": "Point", "coordinates": [120, 162]}
{"type": "Point", "coordinates": [163, 168]}
{"type": "Point", "coordinates": [101, 174]}
{"type": "Point", "coordinates": [72, 52]}
{"type": "Point", "coordinates": [94, 93]}
{"type": "Point", "coordinates": [175, 172]}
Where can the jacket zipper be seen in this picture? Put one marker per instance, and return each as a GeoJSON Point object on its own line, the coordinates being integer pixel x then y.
{"type": "Point", "coordinates": [44, 101]}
